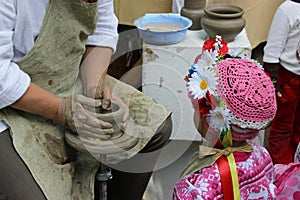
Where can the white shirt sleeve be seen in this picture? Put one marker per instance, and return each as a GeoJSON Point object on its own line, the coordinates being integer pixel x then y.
{"type": "Point", "coordinates": [13, 81]}
{"type": "Point", "coordinates": [106, 33]}
{"type": "Point", "coordinates": [277, 37]}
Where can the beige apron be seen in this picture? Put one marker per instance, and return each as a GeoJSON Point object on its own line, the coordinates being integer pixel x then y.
{"type": "Point", "coordinates": [53, 64]}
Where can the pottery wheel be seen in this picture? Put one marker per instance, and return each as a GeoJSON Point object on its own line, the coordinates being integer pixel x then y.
{"type": "Point", "coordinates": [94, 145]}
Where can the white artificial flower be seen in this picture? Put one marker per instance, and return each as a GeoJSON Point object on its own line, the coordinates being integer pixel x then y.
{"type": "Point", "coordinates": [237, 52]}
{"type": "Point", "coordinates": [219, 119]}
{"type": "Point", "coordinates": [219, 37]}
{"type": "Point", "coordinates": [218, 44]}
{"type": "Point", "coordinates": [208, 59]}
{"type": "Point", "coordinates": [202, 81]}
{"type": "Point", "coordinates": [258, 64]}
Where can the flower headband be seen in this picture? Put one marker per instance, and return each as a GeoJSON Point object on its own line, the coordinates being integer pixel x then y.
{"type": "Point", "coordinates": [220, 80]}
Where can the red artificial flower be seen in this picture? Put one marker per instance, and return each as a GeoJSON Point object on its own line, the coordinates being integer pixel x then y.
{"type": "Point", "coordinates": [211, 101]}
{"type": "Point", "coordinates": [209, 44]}
{"type": "Point", "coordinates": [205, 104]}
{"type": "Point", "coordinates": [203, 107]}
{"type": "Point", "coordinates": [186, 78]}
{"type": "Point", "coordinates": [197, 58]}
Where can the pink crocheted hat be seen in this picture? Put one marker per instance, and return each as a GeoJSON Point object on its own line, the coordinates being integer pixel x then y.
{"type": "Point", "coordinates": [233, 93]}
{"type": "Point", "coordinates": [248, 93]}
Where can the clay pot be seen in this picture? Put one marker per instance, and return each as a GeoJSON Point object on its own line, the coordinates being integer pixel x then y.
{"type": "Point", "coordinates": [113, 116]}
{"type": "Point", "coordinates": [194, 10]}
{"type": "Point", "coordinates": [95, 144]}
{"type": "Point", "coordinates": [223, 19]}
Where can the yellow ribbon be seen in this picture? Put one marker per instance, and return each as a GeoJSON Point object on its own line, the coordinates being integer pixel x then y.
{"type": "Point", "coordinates": [234, 177]}
{"type": "Point", "coordinates": [207, 156]}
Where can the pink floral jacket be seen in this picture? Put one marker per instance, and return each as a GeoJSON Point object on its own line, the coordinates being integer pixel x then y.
{"type": "Point", "coordinates": [255, 173]}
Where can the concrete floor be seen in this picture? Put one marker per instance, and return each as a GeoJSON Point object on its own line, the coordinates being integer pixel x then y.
{"type": "Point", "coordinates": [162, 181]}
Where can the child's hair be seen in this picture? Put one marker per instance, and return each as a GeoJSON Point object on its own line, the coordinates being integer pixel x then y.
{"type": "Point", "coordinates": [232, 93]}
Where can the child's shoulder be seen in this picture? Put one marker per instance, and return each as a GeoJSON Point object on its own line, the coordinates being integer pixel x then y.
{"type": "Point", "coordinates": [257, 147]}
{"type": "Point", "coordinates": [259, 151]}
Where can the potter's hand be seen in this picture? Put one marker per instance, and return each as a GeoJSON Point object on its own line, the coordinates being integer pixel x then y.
{"type": "Point", "coordinates": [72, 113]}
{"type": "Point", "coordinates": [103, 93]}
{"type": "Point", "coordinates": [106, 95]}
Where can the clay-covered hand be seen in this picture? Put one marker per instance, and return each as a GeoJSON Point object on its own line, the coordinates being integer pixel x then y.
{"type": "Point", "coordinates": [103, 93]}
{"type": "Point", "coordinates": [73, 112]}
{"type": "Point", "coordinates": [107, 97]}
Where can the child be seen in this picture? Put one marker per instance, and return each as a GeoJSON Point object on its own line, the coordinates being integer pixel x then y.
{"type": "Point", "coordinates": [287, 179]}
{"type": "Point", "coordinates": [234, 99]}
{"type": "Point", "coordinates": [280, 60]}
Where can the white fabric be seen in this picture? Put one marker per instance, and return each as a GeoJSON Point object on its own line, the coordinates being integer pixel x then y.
{"type": "Point", "coordinates": [177, 5]}
{"type": "Point", "coordinates": [284, 36]}
{"type": "Point", "coordinates": [20, 23]}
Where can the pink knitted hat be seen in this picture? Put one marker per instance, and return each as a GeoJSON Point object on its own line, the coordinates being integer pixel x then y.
{"type": "Point", "coordinates": [248, 93]}
{"type": "Point", "coordinates": [233, 93]}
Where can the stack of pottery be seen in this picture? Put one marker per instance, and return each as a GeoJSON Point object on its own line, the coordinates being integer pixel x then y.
{"type": "Point", "coordinates": [194, 10]}
{"type": "Point", "coordinates": [223, 19]}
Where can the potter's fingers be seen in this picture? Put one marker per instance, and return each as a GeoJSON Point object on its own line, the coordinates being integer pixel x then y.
{"type": "Point", "coordinates": [106, 104]}
{"type": "Point", "coordinates": [123, 126]}
{"type": "Point", "coordinates": [99, 92]}
{"type": "Point", "coordinates": [91, 120]}
{"type": "Point", "coordinates": [78, 122]}
{"type": "Point", "coordinates": [94, 122]}
{"type": "Point", "coordinates": [107, 93]}
{"type": "Point", "coordinates": [87, 101]}
{"type": "Point", "coordinates": [106, 101]}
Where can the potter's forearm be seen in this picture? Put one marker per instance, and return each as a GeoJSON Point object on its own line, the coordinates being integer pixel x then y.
{"type": "Point", "coordinates": [93, 68]}
{"type": "Point", "coordinates": [38, 101]}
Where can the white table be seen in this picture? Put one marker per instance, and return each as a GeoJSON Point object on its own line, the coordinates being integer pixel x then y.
{"type": "Point", "coordinates": [164, 68]}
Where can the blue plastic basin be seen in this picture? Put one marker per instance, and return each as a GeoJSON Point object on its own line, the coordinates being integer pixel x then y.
{"type": "Point", "coordinates": [162, 29]}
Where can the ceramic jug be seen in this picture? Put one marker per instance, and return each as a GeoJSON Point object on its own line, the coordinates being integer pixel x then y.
{"type": "Point", "coordinates": [194, 10]}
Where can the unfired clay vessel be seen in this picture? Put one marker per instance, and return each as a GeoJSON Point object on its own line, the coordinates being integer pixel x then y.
{"type": "Point", "coordinates": [223, 19]}
{"type": "Point", "coordinates": [194, 10]}
{"type": "Point", "coordinates": [96, 144]}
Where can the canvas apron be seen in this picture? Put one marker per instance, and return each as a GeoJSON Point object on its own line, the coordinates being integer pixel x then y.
{"type": "Point", "coordinates": [53, 64]}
